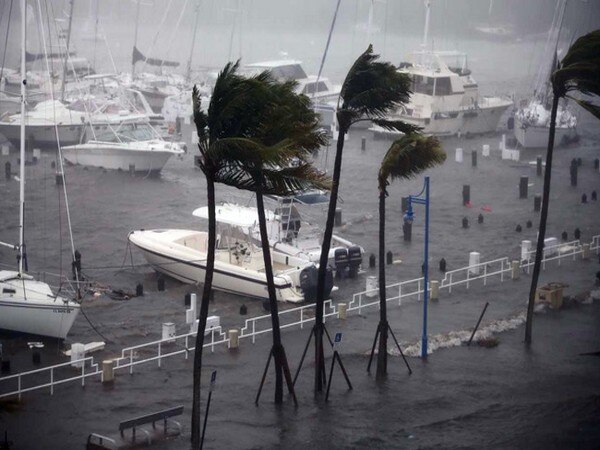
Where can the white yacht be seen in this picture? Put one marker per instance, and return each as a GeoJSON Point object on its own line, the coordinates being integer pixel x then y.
{"type": "Point", "coordinates": [239, 264]}
{"type": "Point", "coordinates": [28, 305]}
{"type": "Point", "coordinates": [127, 146]}
{"type": "Point", "coordinates": [445, 99]}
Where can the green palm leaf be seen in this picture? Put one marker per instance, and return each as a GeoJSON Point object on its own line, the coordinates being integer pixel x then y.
{"type": "Point", "coordinates": [409, 156]}
{"type": "Point", "coordinates": [372, 89]}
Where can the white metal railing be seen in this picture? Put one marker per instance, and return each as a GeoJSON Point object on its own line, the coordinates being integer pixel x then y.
{"type": "Point", "coordinates": [288, 318]}
{"type": "Point", "coordinates": [51, 372]}
{"type": "Point", "coordinates": [481, 271]}
{"type": "Point", "coordinates": [295, 317]}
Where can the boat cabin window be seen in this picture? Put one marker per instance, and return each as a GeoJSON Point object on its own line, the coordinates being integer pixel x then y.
{"type": "Point", "coordinates": [127, 132]}
{"type": "Point", "coordinates": [9, 291]}
{"type": "Point", "coordinates": [425, 85]}
{"type": "Point", "coordinates": [310, 88]}
{"type": "Point", "coordinates": [288, 72]}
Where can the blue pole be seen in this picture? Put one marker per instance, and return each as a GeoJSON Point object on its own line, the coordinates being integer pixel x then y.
{"type": "Point", "coordinates": [425, 272]}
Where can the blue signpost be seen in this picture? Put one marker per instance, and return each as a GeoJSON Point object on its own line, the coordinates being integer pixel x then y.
{"type": "Point", "coordinates": [422, 198]}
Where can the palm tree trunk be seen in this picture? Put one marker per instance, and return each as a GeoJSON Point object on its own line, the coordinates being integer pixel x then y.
{"type": "Point", "coordinates": [208, 277]}
{"type": "Point", "coordinates": [278, 351]}
{"type": "Point", "coordinates": [539, 252]}
{"type": "Point", "coordinates": [383, 323]}
{"type": "Point", "coordinates": [325, 246]}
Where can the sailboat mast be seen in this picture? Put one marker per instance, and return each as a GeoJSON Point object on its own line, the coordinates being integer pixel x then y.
{"type": "Point", "coordinates": [426, 31]}
{"type": "Point", "coordinates": [22, 149]}
{"type": "Point", "coordinates": [62, 89]}
{"type": "Point", "coordinates": [189, 64]}
{"type": "Point", "coordinates": [137, 20]}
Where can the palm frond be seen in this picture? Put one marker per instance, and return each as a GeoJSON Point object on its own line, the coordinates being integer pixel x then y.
{"type": "Point", "coordinates": [579, 70]}
{"type": "Point", "coordinates": [588, 106]}
{"type": "Point", "coordinates": [396, 125]}
{"type": "Point", "coordinates": [373, 88]}
{"type": "Point", "coordinates": [409, 156]}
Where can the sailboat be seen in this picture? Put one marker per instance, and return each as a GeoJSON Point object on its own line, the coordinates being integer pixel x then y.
{"type": "Point", "coordinates": [532, 119]}
{"type": "Point", "coordinates": [26, 304]}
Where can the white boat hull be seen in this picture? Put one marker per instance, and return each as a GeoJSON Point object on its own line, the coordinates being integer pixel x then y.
{"type": "Point", "coordinates": [474, 121]}
{"type": "Point", "coordinates": [115, 158]}
{"type": "Point", "coordinates": [42, 135]}
{"type": "Point", "coordinates": [37, 312]}
{"type": "Point", "coordinates": [171, 252]}
{"type": "Point", "coordinates": [537, 136]}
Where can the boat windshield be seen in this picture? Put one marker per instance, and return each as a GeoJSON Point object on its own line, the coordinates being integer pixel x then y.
{"type": "Point", "coordinates": [127, 132]}
{"type": "Point", "coordinates": [288, 72]}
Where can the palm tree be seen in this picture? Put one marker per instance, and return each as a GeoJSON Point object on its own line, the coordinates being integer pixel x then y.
{"type": "Point", "coordinates": [407, 157]}
{"type": "Point", "coordinates": [370, 90]}
{"type": "Point", "coordinates": [289, 132]}
{"type": "Point", "coordinates": [223, 129]}
{"type": "Point", "coordinates": [579, 71]}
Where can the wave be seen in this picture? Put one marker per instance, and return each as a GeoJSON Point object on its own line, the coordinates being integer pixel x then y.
{"type": "Point", "coordinates": [457, 338]}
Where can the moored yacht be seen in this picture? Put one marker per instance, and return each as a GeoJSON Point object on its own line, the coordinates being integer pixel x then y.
{"type": "Point", "coordinates": [445, 98]}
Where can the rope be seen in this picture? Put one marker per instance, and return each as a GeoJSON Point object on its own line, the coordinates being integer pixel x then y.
{"type": "Point", "coordinates": [174, 31]}
{"type": "Point", "coordinates": [93, 326]}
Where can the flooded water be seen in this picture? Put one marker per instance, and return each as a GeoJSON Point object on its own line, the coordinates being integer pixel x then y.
{"type": "Point", "coordinates": [506, 397]}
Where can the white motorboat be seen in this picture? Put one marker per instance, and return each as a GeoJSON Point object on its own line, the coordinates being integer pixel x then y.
{"type": "Point", "coordinates": [288, 232]}
{"type": "Point", "coordinates": [445, 98]}
{"type": "Point", "coordinates": [532, 125]}
{"type": "Point", "coordinates": [239, 264]}
{"type": "Point", "coordinates": [70, 121]}
{"type": "Point", "coordinates": [130, 146]}
{"type": "Point", "coordinates": [28, 305]}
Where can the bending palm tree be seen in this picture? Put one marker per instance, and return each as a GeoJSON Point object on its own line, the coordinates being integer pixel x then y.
{"type": "Point", "coordinates": [371, 90]}
{"type": "Point", "coordinates": [407, 157]}
{"type": "Point", "coordinates": [579, 71]}
{"type": "Point", "coordinates": [289, 131]}
{"type": "Point", "coordinates": [223, 129]}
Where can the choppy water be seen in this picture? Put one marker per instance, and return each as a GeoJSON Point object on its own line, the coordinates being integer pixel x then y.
{"type": "Point", "coordinates": [502, 397]}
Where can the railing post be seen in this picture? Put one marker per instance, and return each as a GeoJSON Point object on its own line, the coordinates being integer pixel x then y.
{"type": "Point", "coordinates": [400, 294]}
{"type": "Point", "coordinates": [130, 361]}
{"type": "Point", "coordinates": [212, 340]}
{"type": "Point", "coordinates": [302, 318]}
{"type": "Point", "coordinates": [485, 274]}
{"type": "Point", "coordinates": [253, 331]}
{"type": "Point", "coordinates": [468, 274]}
{"type": "Point", "coordinates": [419, 290]}
{"type": "Point", "coordinates": [83, 374]}
{"type": "Point", "coordinates": [19, 386]}
{"type": "Point", "coordinates": [159, 354]}
{"type": "Point", "coordinates": [450, 285]}
{"type": "Point", "coordinates": [52, 381]}
{"type": "Point", "coordinates": [187, 349]}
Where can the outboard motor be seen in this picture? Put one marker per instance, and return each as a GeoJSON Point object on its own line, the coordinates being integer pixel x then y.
{"type": "Point", "coordinates": [309, 278]}
{"type": "Point", "coordinates": [354, 260]}
{"type": "Point", "coordinates": [340, 259]}
{"type": "Point", "coordinates": [308, 283]}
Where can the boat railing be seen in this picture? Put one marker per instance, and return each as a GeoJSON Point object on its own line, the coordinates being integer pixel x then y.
{"type": "Point", "coordinates": [159, 350]}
